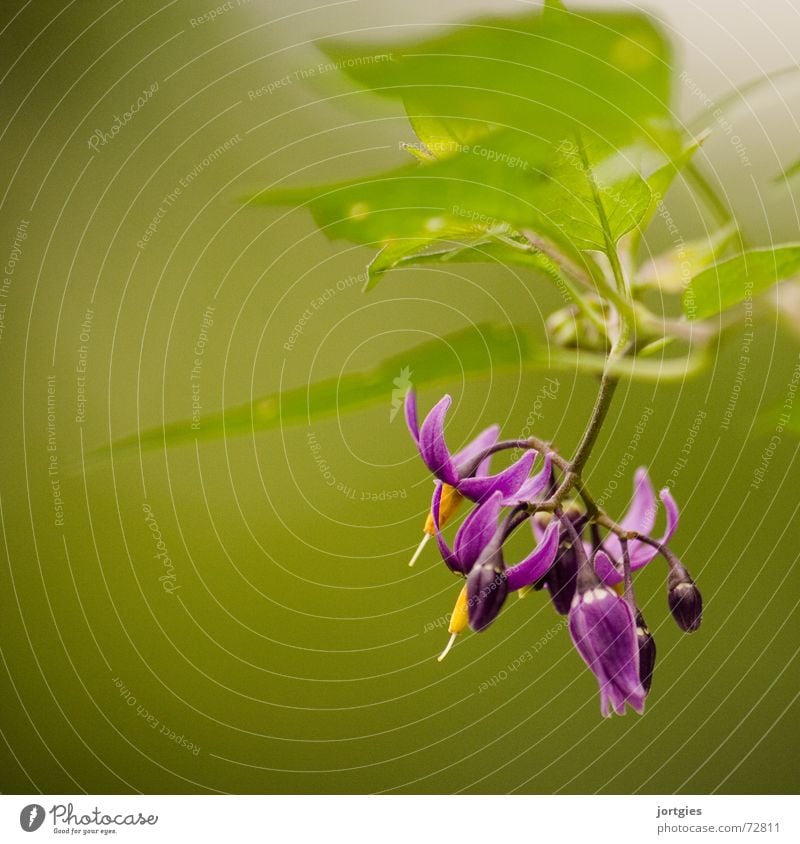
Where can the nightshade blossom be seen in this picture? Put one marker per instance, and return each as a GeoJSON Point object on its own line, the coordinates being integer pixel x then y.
{"type": "Point", "coordinates": [463, 471]}
{"type": "Point", "coordinates": [474, 538]}
{"type": "Point", "coordinates": [603, 630]}
{"type": "Point", "coordinates": [641, 517]}
{"type": "Point", "coordinates": [489, 581]}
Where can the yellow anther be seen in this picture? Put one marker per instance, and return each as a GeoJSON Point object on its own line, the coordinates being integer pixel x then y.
{"type": "Point", "coordinates": [450, 502]}
{"type": "Point", "coordinates": [459, 621]}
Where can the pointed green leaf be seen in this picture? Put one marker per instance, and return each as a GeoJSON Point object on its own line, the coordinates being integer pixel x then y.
{"type": "Point", "coordinates": [478, 351]}
{"type": "Point", "coordinates": [611, 68]}
{"type": "Point", "coordinates": [732, 281]}
{"type": "Point", "coordinates": [790, 172]}
{"type": "Point", "coordinates": [671, 270]}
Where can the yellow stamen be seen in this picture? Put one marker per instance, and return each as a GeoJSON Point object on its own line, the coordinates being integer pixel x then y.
{"type": "Point", "coordinates": [459, 620]}
{"type": "Point", "coordinates": [421, 545]}
{"type": "Point", "coordinates": [450, 502]}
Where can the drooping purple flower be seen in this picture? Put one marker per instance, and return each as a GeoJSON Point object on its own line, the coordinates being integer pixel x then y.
{"type": "Point", "coordinates": [603, 629]}
{"type": "Point", "coordinates": [476, 533]}
{"type": "Point", "coordinates": [489, 581]}
{"type": "Point", "coordinates": [465, 471]}
{"type": "Point", "coordinates": [641, 517]}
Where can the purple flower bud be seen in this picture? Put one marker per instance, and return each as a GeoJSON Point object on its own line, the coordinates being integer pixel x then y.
{"type": "Point", "coordinates": [685, 600]}
{"type": "Point", "coordinates": [487, 587]}
{"type": "Point", "coordinates": [561, 578]}
{"type": "Point", "coordinates": [647, 652]}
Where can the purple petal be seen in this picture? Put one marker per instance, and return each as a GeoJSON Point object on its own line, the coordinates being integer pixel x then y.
{"type": "Point", "coordinates": [606, 570]}
{"type": "Point", "coordinates": [448, 555]}
{"type": "Point", "coordinates": [642, 554]}
{"type": "Point", "coordinates": [506, 482]}
{"type": "Point", "coordinates": [533, 487]}
{"type": "Point", "coordinates": [476, 532]}
{"type": "Point", "coordinates": [484, 440]}
{"type": "Point", "coordinates": [641, 515]}
{"type": "Point", "coordinates": [538, 563]}
{"type": "Point", "coordinates": [411, 414]}
{"type": "Point", "coordinates": [603, 630]}
{"type": "Point", "coordinates": [433, 447]}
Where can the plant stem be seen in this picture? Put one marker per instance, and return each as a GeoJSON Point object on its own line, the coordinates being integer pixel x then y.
{"type": "Point", "coordinates": [570, 269]}
{"type": "Point", "coordinates": [601, 406]}
{"type": "Point", "coordinates": [627, 577]}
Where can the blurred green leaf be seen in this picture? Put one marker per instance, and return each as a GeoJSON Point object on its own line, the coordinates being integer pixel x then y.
{"type": "Point", "coordinates": [487, 100]}
{"type": "Point", "coordinates": [790, 172]}
{"type": "Point", "coordinates": [484, 249]}
{"type": "Point", "coordinates": [730, 282]}
{"type": "Point", "coordinates": [671, 270]}
{"type": "Point", "coordinates": [660, 178]}
{"type": "Point", "coordinates": [478, 351]}
{"type": "Point", "coordinates": [545, 73]}
{"type": "Point", "coordinates": [498, 184]}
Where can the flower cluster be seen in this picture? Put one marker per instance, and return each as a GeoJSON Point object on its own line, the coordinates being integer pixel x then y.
{"type": "Point", "coordinates": [582, 558]}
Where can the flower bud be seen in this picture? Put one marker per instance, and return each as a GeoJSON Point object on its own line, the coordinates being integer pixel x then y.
{"type": "Point", "coordinates": [647, 653]}
{"type": "Point", "coordinates": [561, 578]}
{"type": "Point", "coordinates": [487, 588]}
{"type": "Point", "coordinates": [571, 328]}
{"type": "Point", "coordinates": [685, 600]}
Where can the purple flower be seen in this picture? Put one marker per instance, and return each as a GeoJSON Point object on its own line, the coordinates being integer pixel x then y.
{"type": "Point", "coordinates": [465, 470]}
{"type": "Point", "coordinates": [489, 581]}
{"type": "Point", "coordinates": [603, 630]}
{"type": "Point", "coordinates": [475, 535]}
{"type": "Point", "coordinates": [641, 517]}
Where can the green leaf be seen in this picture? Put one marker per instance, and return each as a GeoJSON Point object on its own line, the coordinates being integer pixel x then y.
{"type": "Point", "coordinates": [660, 179]}
{"type": "Point", "coordinates": [594, 199]}
{"type": "Point", "coordinates": [499, 183]}
{"type": "Point", "coordinates": [732, 281]}
{"type": "Point", "coordinates": [671, 270]}
{"type": "Point", "coordinates": [611, 69]}
{"type": "Point", "coordinates": [484, 249]}
{"type": "Point", "coordinates": [790, 172]}
{"type": "Point", "coordinates": [479, 351]}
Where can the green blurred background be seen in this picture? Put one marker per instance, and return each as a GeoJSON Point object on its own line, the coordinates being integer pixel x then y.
{"type": "Point", "coordinates": [295, 651]}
